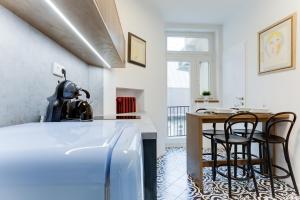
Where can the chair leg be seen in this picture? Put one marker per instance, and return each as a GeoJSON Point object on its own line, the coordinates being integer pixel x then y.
{"type": "Point", "coordinates": [265, 157]}
{"type": "Point", "coordinates": [244, 156]}
{"type": "Point", "coordinates": [252, 174]}
{"type": "Point", "coordinates": [212, 147]}
{"type": "Point", "coordinates": [214, 172]}
{"type": "Point", "coordinates": [287, 158]}
{"type": "Point", "coordinates": [244, 148]}
{"type": "Point", "coordinates": [270, 170]}
{"type": "Point", "coordinates": [228, 169]}
{"type": "Point", "coordinates": [260, 157]}
{"type": "Point", "coordinates": [235, 160]}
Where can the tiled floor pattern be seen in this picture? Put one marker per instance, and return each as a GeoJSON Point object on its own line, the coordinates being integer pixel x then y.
{"type": "Point", "coordinates": [174, 184]}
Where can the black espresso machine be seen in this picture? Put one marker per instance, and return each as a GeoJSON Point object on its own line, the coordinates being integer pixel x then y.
{"type": "Point", "coordinates": [65, 103]}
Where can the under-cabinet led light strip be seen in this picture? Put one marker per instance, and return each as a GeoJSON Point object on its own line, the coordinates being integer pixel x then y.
{"type": "Point", "coordinates": [68, 22]}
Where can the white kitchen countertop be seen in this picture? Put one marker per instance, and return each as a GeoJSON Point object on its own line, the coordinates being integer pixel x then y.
{"type": "Point", "coordinates": [69, 156]}
{"type": "Point", "coordinates": [59, 144]}
{"type": "Point", "coordinates": [145, 124]}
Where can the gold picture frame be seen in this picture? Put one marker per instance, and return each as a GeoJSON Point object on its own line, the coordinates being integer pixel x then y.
{"type": "Point", "coordinates": [277, 46]}
{"type": "Point", "coordinates": [136, 50]}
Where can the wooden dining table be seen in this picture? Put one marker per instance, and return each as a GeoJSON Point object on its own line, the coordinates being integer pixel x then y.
{"type": "Point", "coordinates": [194, 142]}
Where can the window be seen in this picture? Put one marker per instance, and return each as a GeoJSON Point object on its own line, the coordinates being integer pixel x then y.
{"type": "Point", "coordinates": [179, 74]}
{"type": "Point", "coordinates": [192, 44]}
{"type": "Point", "coordinates": [193, 56]}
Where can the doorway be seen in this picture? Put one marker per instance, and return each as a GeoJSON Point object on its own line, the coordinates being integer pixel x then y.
{"type": "Point", "coordinates": [191, 70]}
{"type": "Point", "coordinates": [187, 79]}
{"type": "Point", "coordinates": [234, 76]}
{"type": "Point", "coordinates": [179, 96]}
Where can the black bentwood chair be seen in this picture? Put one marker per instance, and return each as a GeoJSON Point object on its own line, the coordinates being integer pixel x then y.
{"type": "Point", "coordinates": [243, 132]}
{"type": "Point", "coordinates": [209, 134]}
{"type": "Point", "coordinates": [229, 140]}
{"type": "Point", "coordinates": [268, 138]}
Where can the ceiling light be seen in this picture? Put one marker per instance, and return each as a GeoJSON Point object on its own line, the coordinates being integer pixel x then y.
{"type": "Point", "coordinates": [75, 30]}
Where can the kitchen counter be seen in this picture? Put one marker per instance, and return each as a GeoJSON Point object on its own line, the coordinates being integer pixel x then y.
{"type": "Point", "coordinates": [149, 136]}
{"type": "Point", "coordinates": [76, 160]}
{"type": "Point", "coordinates": [144, 124]}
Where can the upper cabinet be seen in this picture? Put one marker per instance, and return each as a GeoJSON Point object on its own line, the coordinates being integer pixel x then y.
{"type": "Point", "coordinates": [90, 29]}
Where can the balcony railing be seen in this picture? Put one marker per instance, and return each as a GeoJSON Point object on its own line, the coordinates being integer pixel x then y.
{"type": "Point", "coordinates": [177, 120]}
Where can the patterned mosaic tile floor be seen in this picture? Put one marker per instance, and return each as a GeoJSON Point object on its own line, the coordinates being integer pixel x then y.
{"type": "Point", "coordinates": [174, 184]}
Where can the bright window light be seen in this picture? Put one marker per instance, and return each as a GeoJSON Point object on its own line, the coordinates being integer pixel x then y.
{"type": "Point", "coordinates": [179, 74]}
{"type": "Point", "coordinates": [75, 30]}
{"type": "Point", "coordinates": [192, 44]}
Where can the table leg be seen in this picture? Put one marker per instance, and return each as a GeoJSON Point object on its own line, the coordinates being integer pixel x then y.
{"type": "Point", "coordinates": [194, 148]}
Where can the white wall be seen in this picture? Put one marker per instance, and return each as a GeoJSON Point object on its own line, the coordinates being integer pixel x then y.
{"type": "Point", "coordinates": [279, 91]}
{"type": "Point", "coordinates": [26, 59]}
{"type": "Point", "coordinates": [139, 18]}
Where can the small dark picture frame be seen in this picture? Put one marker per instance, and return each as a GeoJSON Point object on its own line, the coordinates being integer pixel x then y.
{"type": "Point", "coordinates": [136, 50]}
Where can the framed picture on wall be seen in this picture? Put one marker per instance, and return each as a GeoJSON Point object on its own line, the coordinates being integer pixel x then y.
{"type": "Point", "coordinates": [277, 46]}
{"type": "Point", "coordinates": [136, 50]}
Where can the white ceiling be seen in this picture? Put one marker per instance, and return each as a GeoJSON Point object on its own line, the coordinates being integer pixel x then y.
{"type": "Point", "coordinates": [196, 11]}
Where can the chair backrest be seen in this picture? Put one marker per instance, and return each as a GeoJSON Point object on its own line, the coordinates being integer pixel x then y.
{"type": "Point", "coordinates": [213, 124]}
{"type": "Point", "coordinates": [288, 118]}
{"type": "Point", "coordinates": [201, 109]}
{"type": "Point", "coordinates": [241, 119]}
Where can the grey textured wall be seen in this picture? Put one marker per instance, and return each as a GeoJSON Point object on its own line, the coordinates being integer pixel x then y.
{"type": "Point", "coordinates": [26, 80]}
{"type": "Point", "coordinates": [96, 89]}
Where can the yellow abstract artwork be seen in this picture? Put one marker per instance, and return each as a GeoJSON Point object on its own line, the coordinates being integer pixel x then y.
{"type": "Point", "coordinates": [276, 47]}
